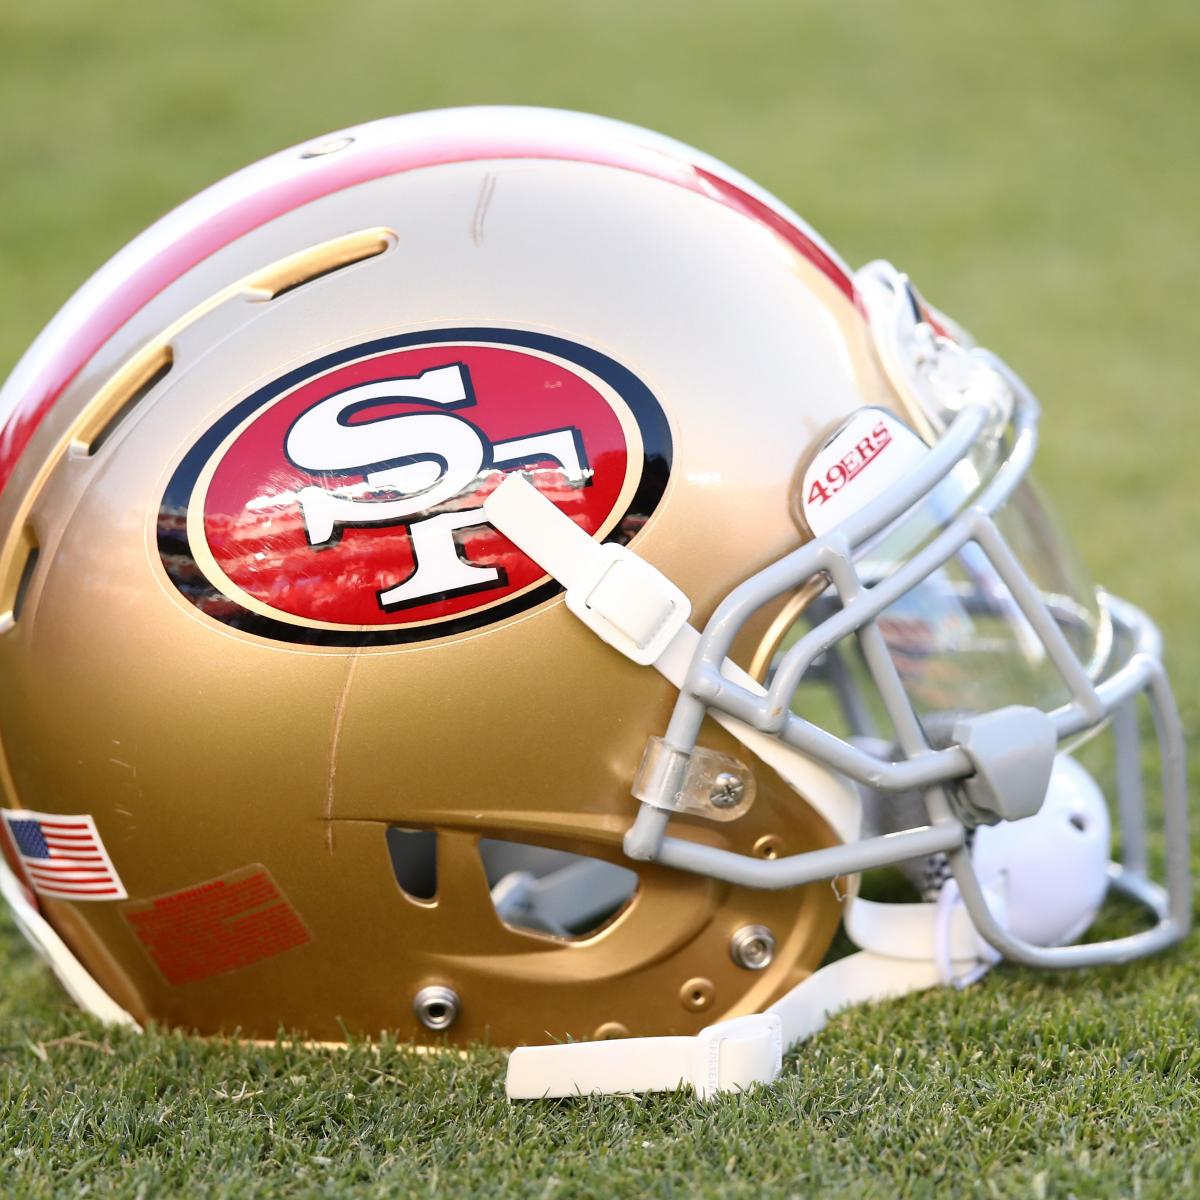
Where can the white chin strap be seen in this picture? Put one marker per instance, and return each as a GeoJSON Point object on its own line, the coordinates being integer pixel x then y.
{"type": "Point", "coordinates": [904, 947]}
{"type": "Point", "coordinates": [70, 972]}
{"type": "Point", "coordinates": [731, 1055]}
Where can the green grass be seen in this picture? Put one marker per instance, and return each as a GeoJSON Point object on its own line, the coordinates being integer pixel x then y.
{"type": "Point", "coordinates": [1035, 167]}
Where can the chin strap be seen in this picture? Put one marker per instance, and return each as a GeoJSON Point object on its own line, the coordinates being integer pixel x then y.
{"type": "Point", "coordinates": [71, 973]}
{"type": "Point", "coordinates": [730, 1055]}
{"type": "Point", "coordinates": [907, 948]}
{"type": "Point", "coordinates": [904, 947]}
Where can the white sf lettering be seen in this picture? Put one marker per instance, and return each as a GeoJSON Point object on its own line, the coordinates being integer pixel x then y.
{"type": "Point", "coordinates": [419, 460]}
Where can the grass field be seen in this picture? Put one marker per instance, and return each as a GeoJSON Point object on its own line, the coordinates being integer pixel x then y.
{"type": "Point", "coordinates": [1035, 168]}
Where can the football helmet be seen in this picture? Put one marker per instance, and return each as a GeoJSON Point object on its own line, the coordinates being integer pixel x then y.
{"type": "Point", "coordinates": [713, 580]}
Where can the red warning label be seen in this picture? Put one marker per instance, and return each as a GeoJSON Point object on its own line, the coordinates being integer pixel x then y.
{"type": "Point", "coordinates": [217, 927]}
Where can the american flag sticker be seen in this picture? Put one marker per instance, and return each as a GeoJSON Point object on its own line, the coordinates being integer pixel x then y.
{"type": "Point", "coordinates": [64, 857]}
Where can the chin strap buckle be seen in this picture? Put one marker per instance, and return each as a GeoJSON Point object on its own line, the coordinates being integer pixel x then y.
{"type": "Point", "coordinates": [620, 597]}
{"type": "Point", "coordinates": [626, 602]}
{"type": "Point", "coordinates": [733, 1054]}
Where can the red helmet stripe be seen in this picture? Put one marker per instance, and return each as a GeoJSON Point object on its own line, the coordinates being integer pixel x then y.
{"type": "Point", "coordinates": [335, 173]}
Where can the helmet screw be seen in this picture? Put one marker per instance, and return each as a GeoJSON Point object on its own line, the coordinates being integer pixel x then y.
{"type": "Point", "coordinates": [769, 846]}
{"type": "Point", "coordinates": [436, 1007]}
{"type": "Point", "coordinates": [610, 1030]}
{"type": "Point", "coordinates": [752, 947]}
{"type": "Point", "coordinates": [727, 790]}
{"type": "Point", "coordinates": [697, 994]}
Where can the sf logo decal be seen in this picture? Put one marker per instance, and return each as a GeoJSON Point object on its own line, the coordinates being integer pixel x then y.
{"type": "Point", "coordinates": [341, 504]}
{"type": "Point", "coordinates": [409, 465]}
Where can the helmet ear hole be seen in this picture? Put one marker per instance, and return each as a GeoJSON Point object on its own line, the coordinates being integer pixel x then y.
{"type": "Point", "coordinates": [539, 890]}
{"type": "Point", "coordinates": [414, 861]}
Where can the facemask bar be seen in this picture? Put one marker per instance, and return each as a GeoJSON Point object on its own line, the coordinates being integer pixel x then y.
{"type": "Point", "coordinates": [940, 773]}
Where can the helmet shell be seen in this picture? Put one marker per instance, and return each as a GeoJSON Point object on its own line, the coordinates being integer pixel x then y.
{"type": "Point", "coordinates": [243, 783]}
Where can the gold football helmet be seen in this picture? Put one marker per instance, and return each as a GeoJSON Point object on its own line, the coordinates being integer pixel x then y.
{"type": "Point", "coordinates": [496, 573]}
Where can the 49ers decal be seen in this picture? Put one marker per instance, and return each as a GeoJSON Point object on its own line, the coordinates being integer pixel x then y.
{"type": "Point", "coordinates": [342, 503]}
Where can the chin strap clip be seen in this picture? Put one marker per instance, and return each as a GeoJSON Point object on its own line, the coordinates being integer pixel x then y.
{"type": "Point", "coordinates": [620, 597]}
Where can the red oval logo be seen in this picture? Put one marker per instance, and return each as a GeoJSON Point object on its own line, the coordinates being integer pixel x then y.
{"type": "Point", "coordinates": [342, 503]}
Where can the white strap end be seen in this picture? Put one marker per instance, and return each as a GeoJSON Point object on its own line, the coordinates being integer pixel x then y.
{"type": "Point", "coordinates": [536, 526]}
{"type": "Point", "coordinates": [71, 973]}
{"type": "Point", "coordinates": [619, 1067]}
{"type": "Point", "coordinates": [726, 1057]}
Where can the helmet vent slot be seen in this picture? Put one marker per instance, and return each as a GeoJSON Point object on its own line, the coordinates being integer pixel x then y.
{"type": "Point", "coordinates": [539, 890]}
{"type": "Point", "coordinates": [319, 261]}
{"type": "Point", "coordinates": [18, 575]}
{"type": "Point", "coordinates": [124, 392]}
{"type": "Point", "coordinates": [414, 861]}
{"type": "Point", "coordinates": [23, 582]}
